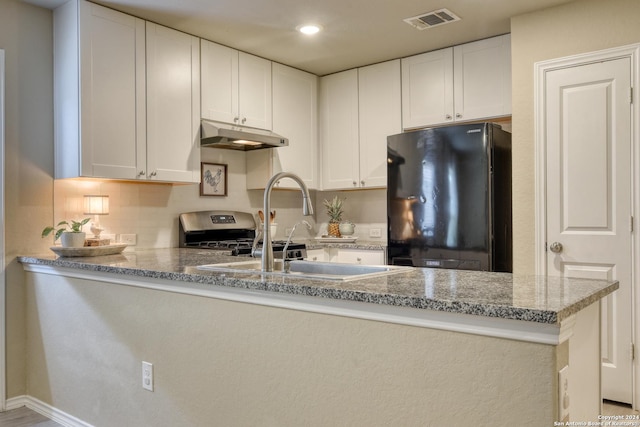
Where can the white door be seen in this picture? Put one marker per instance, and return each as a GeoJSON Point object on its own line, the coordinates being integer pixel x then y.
{"type": "Point", "coordinates": [2, 283]}
{"type": "Point", "coordinates": [589, 200]}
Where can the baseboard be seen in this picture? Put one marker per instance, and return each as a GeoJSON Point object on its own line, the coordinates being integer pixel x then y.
{"type": "Point", "coordinates": [46, 410]}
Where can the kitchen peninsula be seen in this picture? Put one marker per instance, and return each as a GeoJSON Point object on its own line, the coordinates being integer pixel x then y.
{"type": "Point", "coordinates": [425, 347]}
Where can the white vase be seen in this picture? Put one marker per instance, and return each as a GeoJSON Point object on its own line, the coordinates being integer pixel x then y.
{"type": "Point", "coordinates": [347, 228]}
{"type": "Point", "coordinates": [72, 240]}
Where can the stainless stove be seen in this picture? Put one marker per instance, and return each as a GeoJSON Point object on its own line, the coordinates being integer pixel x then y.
{"type": "Point", "coordinates": [229, 231]}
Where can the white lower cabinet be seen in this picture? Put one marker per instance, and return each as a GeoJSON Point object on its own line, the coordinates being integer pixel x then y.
{"type": "Point", "coordinates": [359, 256]}
{"type": "Point", "coordinates": [316, 255]}
{"type": "Point", "coordinates": [347, 256]}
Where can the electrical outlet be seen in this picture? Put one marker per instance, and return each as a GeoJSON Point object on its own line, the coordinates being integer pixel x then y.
{"type": "Point", "coordinates": [563, 393]}
{"type": "Point", "coordinates": [375, 232]}
{"type": "Point", "coordinates": [129, 239]}
{"type": "Point", "coordinates": [147, 376]}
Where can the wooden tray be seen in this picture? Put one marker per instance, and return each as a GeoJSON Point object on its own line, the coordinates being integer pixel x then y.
{"type": "Point", "coordinates": [89, 250]}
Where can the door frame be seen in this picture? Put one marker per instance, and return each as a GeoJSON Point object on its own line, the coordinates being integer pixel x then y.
{"type": "Point", "coordinates": [3, 330]}
{"type": "Point", "coordinates": [540, 71]}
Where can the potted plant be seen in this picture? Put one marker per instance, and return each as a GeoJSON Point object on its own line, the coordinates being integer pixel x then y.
{"type": "Point", "coordinates": [71, 235]}
{"type": "Point", "coordinates": [334, 210]}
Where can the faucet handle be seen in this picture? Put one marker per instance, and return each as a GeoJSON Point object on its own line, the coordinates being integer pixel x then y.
{"type": "Point", "coordinates": [255, 251]}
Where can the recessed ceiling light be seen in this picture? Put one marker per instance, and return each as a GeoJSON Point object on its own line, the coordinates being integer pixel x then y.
{"type": "Point", "coordinates": [308, 29]}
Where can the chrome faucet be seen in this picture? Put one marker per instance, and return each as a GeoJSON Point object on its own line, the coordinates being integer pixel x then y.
{"type": "Point", "coordinates": [285, 261]}
{"type": "Point", "coordinates": [266, 253]}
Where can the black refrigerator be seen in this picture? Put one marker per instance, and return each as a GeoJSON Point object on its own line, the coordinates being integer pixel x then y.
{"type": "Point", "coordinates": [449, 198]}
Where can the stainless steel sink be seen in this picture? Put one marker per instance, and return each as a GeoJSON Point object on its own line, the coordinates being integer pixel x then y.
{"type": "Point", "coordinates": [310, 269]}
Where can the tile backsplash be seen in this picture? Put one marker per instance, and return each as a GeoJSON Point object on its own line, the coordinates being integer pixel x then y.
{"type": "Point", "coordinates": [150, 210]}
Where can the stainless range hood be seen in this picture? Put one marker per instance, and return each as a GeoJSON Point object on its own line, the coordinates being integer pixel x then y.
{"type": "Point", "coordinates": [223, 135]}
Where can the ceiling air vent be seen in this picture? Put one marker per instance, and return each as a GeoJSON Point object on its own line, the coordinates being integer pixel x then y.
{"type": "Point", "coordinates": [432, 19]}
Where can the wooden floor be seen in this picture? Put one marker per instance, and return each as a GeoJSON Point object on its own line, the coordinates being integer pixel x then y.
{"type": "Point", "coordinates": [24, 417]}
{"type": "Point", "coordinates": [614, 408]}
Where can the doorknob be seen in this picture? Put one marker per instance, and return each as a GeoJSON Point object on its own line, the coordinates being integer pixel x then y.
{"type": "Point", "coordinates": [556, 247]}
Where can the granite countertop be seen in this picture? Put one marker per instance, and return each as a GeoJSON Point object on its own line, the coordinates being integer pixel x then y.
{"type": "Point", "coordinates": [539, 299]}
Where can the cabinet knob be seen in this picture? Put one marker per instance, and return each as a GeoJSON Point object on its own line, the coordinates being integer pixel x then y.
{"type": "Point", "coordinates": [141, 173]}
{"type": "Point", "coordinates": [458, 115]}
{"type": "Point", "coordinates": [153, 173]}
{"type": "Point", "coordinates": [315, 258]}
{"type": "Point", "coordinates": [235, 119]}
{"type": "Point", "coordinates": [362, 182]}
{"type": "Point", "coordinates": [448, 117]}
{"type": "Point", "coordinates": [244, 119]}
{"type": "Point", "coordinates": [355, 183]}
{"type": "Point", "coordinates": [359, 259]}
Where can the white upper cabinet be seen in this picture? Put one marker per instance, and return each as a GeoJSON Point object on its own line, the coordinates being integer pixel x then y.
{"type": "Point", "coordinates": [100, 98]}
{"type": "Point", "coordinates": [339, 130]}
{"type": "Point", "coordinates": [379, 116]}
{"type": "Point", "coordinates": [295, 100]}
{"type": "Point", "coordinates": [236, 87]}
{"type": "Point", "coordinates": [482, 79]}
{"type": "Point", "coordinates": [99, 114]}
{"type": "Point", "coordinates": [427, 88]}
{"type": "Point", "coordinates": [173, 105]}
{"type": "Point", "coordinates": [463, 83]}
{"type": "Point", "coordinates": [359, 109]}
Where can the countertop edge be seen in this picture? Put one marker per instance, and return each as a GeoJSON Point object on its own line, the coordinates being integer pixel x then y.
{"type": "Point", "coordinates": [497, 327]}
{"type": "Point", "coordinates": [302, 287]}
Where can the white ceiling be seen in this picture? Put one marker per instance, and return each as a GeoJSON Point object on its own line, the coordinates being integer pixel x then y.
{"type": "Point", "coordinates": [356, 32]}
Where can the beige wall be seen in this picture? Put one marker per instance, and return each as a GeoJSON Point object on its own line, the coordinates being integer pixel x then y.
{"type": "Point", "coordinates": [578, 27]}
{"type": "Point", "coordinates": [26, 37]}
{"type": "Point", "coordinates": [25, 34]}
{"type": "Point", "coordinates": [228, 363]}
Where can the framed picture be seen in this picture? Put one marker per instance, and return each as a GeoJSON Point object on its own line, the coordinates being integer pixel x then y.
{"type": "Point", "coordinates": [213, 179]}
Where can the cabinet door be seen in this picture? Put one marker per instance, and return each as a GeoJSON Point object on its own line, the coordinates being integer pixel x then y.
{"type": "Point", "coordinates": [482, 78]}
{"type": "Point", "coordinates": [219, 82]}
{"type": "Point", "coordinates": [112, 67]}
{"type": "Point", "coordinates": [339, 130]}
{"type": "Point", "coordinates": [356, 256]}
{"type": "Point", "coordinates": [427, 89]}
{"type": "Point", "coordinates": [379, 117]}
{"type": "Point", "coordinates": [295, 100]}
{"type": "Point", "coordinates": [254, 86]}
{"type": "Point", "coordinates": [316, 255]}
{"type": "Point", "coordinates": [173, 105]}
